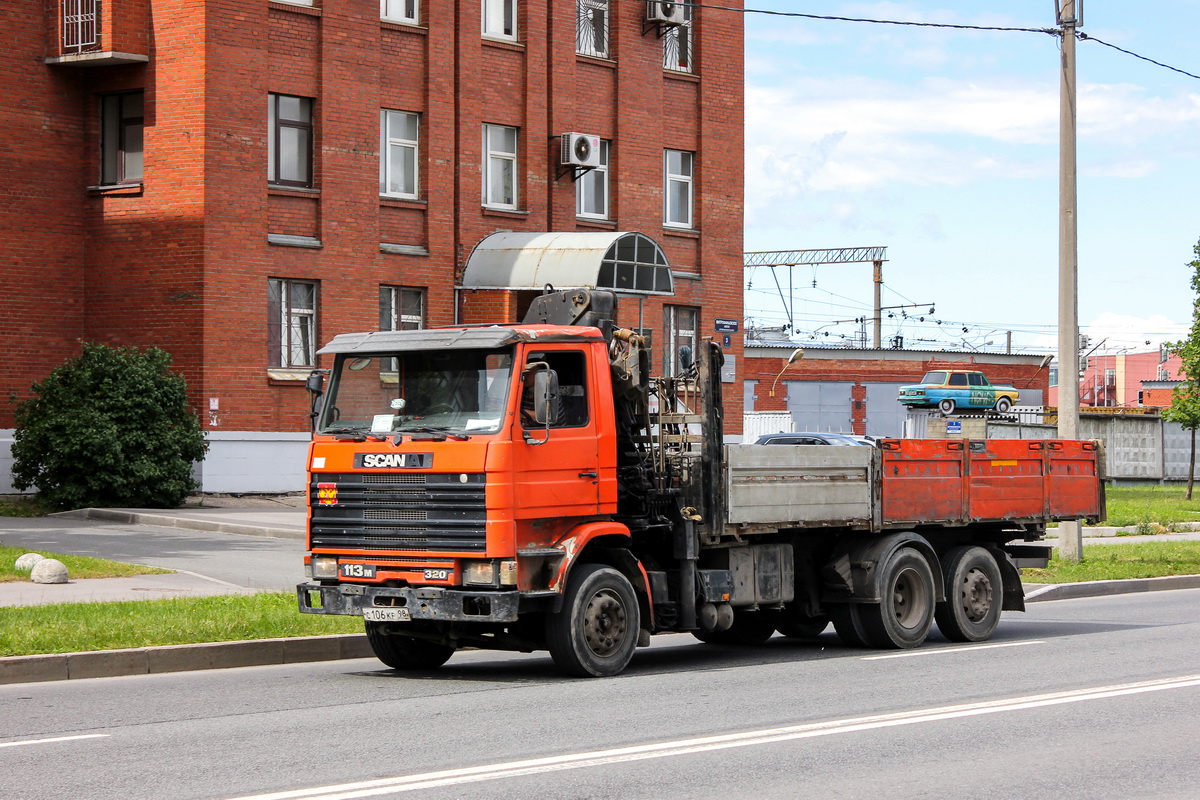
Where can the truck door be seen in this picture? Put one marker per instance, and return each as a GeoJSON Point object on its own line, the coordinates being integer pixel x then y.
{"type": "Point", "coordinates": [560, 477]}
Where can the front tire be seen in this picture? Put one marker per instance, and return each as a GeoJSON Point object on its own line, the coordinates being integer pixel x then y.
{"type": "Point", "coordinates": [803, 627]}
{"type": "Point", "coordinates": [597, 630]}
{"type": "Point", "coordinates": [1003, 405]}
{"type": "Point", "coordinates": [974, 595]}
{"type": "Point", "coordinates": [406, 652]}
{"type": "Point", "coordinates": [904, 614]}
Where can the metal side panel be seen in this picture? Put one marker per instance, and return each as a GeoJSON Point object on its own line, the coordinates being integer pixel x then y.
{"type": "Point", "coordinates": [799, 485]}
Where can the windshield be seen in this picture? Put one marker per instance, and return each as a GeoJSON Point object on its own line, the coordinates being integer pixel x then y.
{"type": "Point", "coordinates": [455, 391]}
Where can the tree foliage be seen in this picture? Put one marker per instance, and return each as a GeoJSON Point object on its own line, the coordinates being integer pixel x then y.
{"type": "Point", "coordinates": [1185, 399]}
{"type": "Point", "coordinates": [109, 428]}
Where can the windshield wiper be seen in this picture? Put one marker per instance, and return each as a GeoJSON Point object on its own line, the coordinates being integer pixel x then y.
{"type": "Point", "coordinates": [352, 434]}
{"type": "Point", "coordinates": [439, 430]}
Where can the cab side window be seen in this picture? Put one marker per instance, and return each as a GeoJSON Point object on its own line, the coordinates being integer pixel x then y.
{"type": "Point", "coordinates": [976, 379]}
{"type": "Point", "coordinates": [572, 388]}
{"type": "Point", "coordinates": [958, 379]}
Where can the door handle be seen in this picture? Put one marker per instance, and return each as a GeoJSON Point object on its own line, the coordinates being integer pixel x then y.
{"type": "Point", "coordinates": [589, 475]}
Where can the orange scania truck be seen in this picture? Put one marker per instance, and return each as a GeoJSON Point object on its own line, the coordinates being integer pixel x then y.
{"type": "Point", "coordinates": [532, 487]}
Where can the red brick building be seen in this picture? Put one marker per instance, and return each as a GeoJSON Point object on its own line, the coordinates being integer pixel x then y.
{"type": "Point", "coordinates": [1116, 380]}
{"type": "Point", "coordinates": [236, 181]}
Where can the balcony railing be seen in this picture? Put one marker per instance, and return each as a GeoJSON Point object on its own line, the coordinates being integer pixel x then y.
{"type": "Point", "coordinates": [81, 24]}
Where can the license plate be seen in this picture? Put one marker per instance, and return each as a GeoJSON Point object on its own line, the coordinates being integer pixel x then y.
{"type": "Point", "coordinates": [387, 614]}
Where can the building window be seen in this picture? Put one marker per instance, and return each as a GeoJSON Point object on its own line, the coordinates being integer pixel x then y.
{"type": "Point", "coordinates": [398, 153]}
{"type": "Point", "coordinates": [401, 309]}
{"type": "Point", "coordinates": [680, 324]}
{"type": "Point", "coordinates": [121, 126]}
{"type": "Point", "coordinates": [591, 29]}
{"type": "Point", "coordinates": [499, 166]}
{"type": "Point", "coordinates": [398, 10]}
{"type": "Point", "coordinates": [678, 167]}
{"type": "Point", "coordinates": [591, 190]}
{"type": "Point", "coordinates": [500, 19]}
{"type": "Point", "coordinates": [292, 322]}
{"type": "Point", "coordinates": [289, 140]}
{"type": "Point", "coordinates": [1053, 376]}
{"type": "Point", "coordinates": [677, 44]}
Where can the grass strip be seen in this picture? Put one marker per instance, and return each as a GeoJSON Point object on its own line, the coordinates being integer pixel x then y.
{"type": "Point", "coordinates": [76, 627]}
{"type": "Point", "coordinates": [1150, 505]}
{"type": "Point", "coordinates": [77, 566]}
{"type": "Point", "coordinates": [1109, 562]}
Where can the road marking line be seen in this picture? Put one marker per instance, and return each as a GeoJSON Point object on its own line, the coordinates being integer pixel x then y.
{"type": "Point", "coordinates": [451, 777]}
{"type": "Point", "coordinates": [56, 739]}
{"type": "Point", "coordinates": [936, 651]}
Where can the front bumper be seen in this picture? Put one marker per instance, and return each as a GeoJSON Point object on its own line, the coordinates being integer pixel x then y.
{"type": "Point", "coordinates": [423, 602]}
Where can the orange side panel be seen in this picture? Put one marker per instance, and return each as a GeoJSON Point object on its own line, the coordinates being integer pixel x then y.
{"type": "Point", "coordinates": [922, 480]}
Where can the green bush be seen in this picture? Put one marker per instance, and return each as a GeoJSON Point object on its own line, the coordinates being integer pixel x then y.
{"type": "Point", "coordinates": [109, 428]}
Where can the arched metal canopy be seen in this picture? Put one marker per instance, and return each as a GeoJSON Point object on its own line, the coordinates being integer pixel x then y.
{"type": "Point", "coordinates": [626, 262]}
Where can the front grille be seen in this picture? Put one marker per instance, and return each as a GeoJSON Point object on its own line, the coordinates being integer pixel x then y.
{"type": "Point", "coordinates": [427, 512]}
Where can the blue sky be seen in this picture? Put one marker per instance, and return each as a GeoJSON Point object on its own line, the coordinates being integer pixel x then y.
{"type": "Point", "coordinates": [942, 145]}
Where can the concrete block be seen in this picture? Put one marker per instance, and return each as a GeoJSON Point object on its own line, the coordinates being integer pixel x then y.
{"type": "Point", "coordinates": [216, 655]}
{"type": "Point", "coordinates": [32, 669]}
{"type": "Point", "coordinates": [107, 663]}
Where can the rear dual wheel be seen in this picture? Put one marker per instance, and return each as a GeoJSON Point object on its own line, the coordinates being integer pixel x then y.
{"type": "Point", "coordinates": [974, 595]}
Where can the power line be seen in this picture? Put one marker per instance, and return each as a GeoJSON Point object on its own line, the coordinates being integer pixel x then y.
{"type": "Point", "coordinates": [908, 23]}
{"type": "Point", "coordinates": [1084, 37]}
{"type": "Point", "coordinates": [1050, 31]}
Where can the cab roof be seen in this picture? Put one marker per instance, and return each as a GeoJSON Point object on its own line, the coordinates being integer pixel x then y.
{"type": "Point", "coordinates": [459, 338]}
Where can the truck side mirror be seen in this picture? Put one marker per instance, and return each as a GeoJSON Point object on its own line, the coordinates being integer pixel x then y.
{"type": "Point", "coordinates": [315, 382]}
{"type": "Point", "coordinates": [546, 399]}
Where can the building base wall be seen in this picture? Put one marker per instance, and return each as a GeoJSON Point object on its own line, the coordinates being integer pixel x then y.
{"type": "Point", "coordinates": [238, 462]}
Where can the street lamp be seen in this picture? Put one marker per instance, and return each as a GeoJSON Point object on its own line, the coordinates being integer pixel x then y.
{"type": "Point", "coordinates": [796, 355]}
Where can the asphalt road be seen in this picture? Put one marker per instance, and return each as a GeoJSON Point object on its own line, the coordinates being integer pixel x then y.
{"type": "Point", "coordinates": [253, 562]}
{"type": "Point", "coordinates": [1095, 698]}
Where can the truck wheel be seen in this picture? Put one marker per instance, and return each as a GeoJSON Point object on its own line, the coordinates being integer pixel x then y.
{"type": "Point", "coordinates": [904, 614]}
{"type": "Point", "coordinates": [1003, 405]}
{"type": "Point", "coordinates": [406, 652]}
{"type": "Point", "coordinates": [848, 624]}
{"type": "Point", "coordinates": [946, 406]}
{"type": "Point", "coordinates": [595, 633]}
{"type": "Point", "coordinates": [974, 595]}
{"type": "Point", "coordinates": [802, 627]}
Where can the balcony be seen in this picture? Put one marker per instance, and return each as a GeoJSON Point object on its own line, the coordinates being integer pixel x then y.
{"type": "Point", "coordinates": [97, 33]}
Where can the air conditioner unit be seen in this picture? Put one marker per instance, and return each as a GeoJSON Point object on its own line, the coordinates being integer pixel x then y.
{"type": "Point", "coordinates": [581, 150]}
{"type": "Point", "coordinates": [664, 13]}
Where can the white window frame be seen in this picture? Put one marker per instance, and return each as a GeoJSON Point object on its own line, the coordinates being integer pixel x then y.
{"type": "Point", "coordinates": [500, 19]}
{"type": "Point", "coordinates": [588, 183]}
{"type": "Point", "coordinates": [503, 160]}
{"type": "Point", "coordinates": [679, 45]}
{"type": "Point", "coordinates": [407, 11]}
{"type": "Point", "coordinates": [592, 18]}
{"type": "Point", "coordinates": [392, 137]}
{"type": "Point", "coordinates": [682, 324]}
{"type": "Point", "coordinates": [681, 178]}
{"type": "Point", "coordinates": [296, 345]}
{"type": "Point", "coordinates": [392, 308]}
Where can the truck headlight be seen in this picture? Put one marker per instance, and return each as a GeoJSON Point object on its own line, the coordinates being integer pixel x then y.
{"type": "Point", "coordinates": [480, 573]}
{"type": "Point", "coordinates": [324, 568]}
{"type": "Point", "coordinates": [508, 573]}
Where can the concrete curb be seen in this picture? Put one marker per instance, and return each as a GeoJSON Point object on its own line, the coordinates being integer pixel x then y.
{"type": "Point", "coordinates": [1067, 591]}
{"type": "Point", "coordinates": [182, 658]}
{"type": "Point", "coordinates": [189, 523]}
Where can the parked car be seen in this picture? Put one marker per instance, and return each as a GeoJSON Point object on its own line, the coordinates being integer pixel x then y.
{"type": "Point", "coordinates": [840, 439]}
{"type": "Point", "coordinates": [956, 388]}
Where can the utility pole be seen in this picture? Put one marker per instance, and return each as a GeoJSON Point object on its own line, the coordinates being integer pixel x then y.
{"type": "Point", "coordinates": [1070, 537]}
{"type": "Point", "coordinates": [878, 279]}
